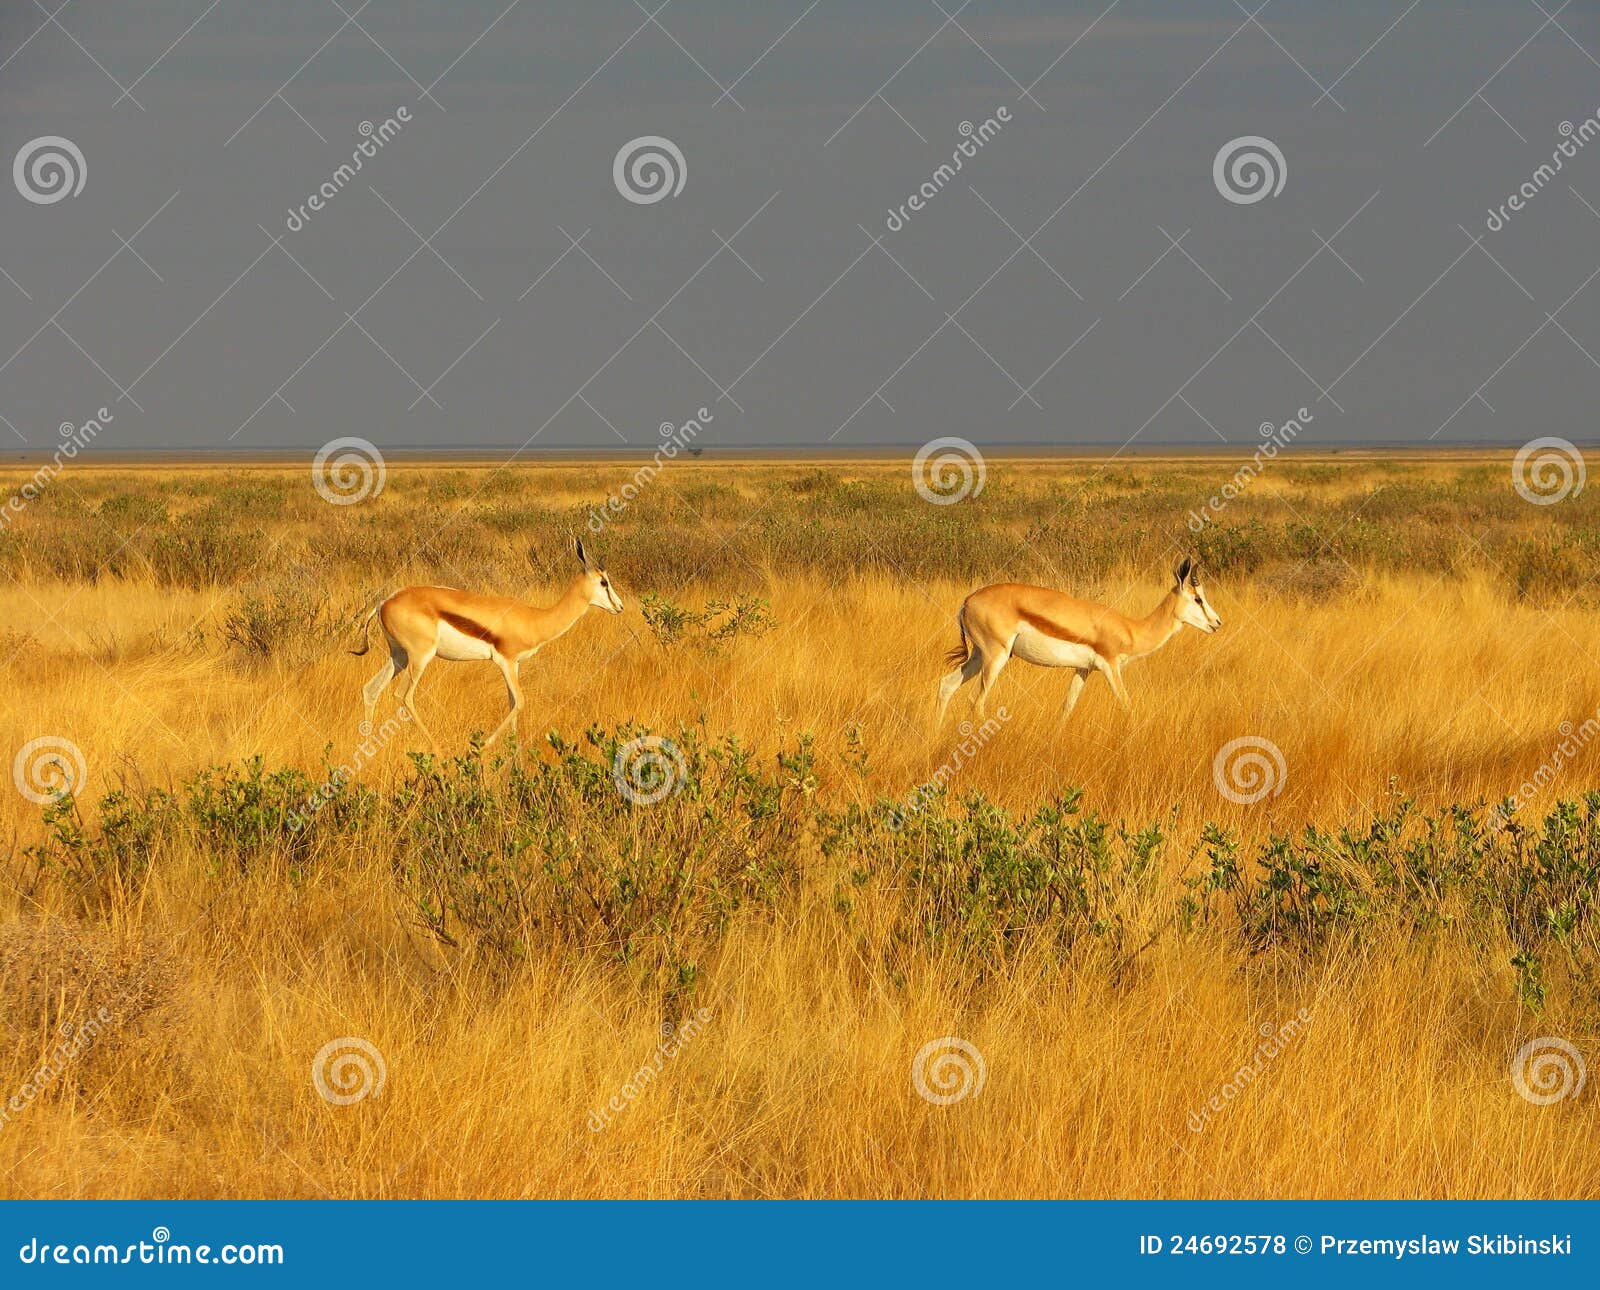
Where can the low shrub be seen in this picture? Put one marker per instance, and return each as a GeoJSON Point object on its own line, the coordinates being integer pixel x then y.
{"type": "Point", "coordinates": [643, 851]}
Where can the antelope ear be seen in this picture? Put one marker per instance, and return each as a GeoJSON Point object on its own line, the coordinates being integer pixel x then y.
{"type": "Point", "coordinates": [1182, 570]}
{"type": "Point", "coordinates": [583, 559]}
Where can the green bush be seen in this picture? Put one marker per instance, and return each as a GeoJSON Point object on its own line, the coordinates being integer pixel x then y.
{"type": "Point", "coordinates": [719, 622]}
{"type": "Point", "coordinates": [980, 881]}
{"type": "Point", "coordinates": [644, 852]}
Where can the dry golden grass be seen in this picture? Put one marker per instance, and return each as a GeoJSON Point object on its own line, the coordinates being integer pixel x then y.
{"type": "Point", "coordinates": [1442, 686]}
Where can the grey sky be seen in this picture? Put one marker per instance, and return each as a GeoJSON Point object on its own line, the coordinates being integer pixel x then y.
{"type": "Point", "coordinates": [834, 113]}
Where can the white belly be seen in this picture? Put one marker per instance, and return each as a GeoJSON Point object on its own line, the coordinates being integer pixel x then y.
{"type": "Point", "coordinates": [1033, 646]}
{"type": "Point", "coordinates": [458, 647]}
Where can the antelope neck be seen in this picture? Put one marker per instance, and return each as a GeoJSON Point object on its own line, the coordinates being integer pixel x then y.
{"type": "Point", "coordinates": [1157, 627]}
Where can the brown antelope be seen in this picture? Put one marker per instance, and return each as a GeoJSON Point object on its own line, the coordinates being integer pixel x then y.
{"type": "Point", "coordinates": [424, 623]}
{"type": "Point", "coordinates": [1051, 629]}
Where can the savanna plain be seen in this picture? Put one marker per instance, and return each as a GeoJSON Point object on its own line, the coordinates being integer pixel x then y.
{"type": "Point", "coordinates": [1314, 983]}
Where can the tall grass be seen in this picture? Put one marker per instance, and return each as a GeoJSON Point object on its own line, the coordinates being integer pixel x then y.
{"type": "Point", "coordinates": [724, 993]}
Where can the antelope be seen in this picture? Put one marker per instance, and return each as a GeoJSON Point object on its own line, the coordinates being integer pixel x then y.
{"type": "Point", "coordinates": [1051, 629]}
{"type": "Point", "coordinates": [424, 623]}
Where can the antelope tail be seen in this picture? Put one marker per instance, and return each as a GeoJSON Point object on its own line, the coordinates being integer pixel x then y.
{"type": "Point", "coordinates": [962, 652]}
{"type": "Point", "coordinates": [366, 630]}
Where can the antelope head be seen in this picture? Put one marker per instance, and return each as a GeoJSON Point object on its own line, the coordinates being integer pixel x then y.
{"type": "Point", "coordinates": [1193, 607]}
{"type": "Point", "coordinates": [596, 584]}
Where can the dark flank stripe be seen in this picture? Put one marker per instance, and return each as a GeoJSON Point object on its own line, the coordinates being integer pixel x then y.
{"type": "Point", "coordinates": [467, 627]}
{"type": "Point", "coordinates": [1049, 628]}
